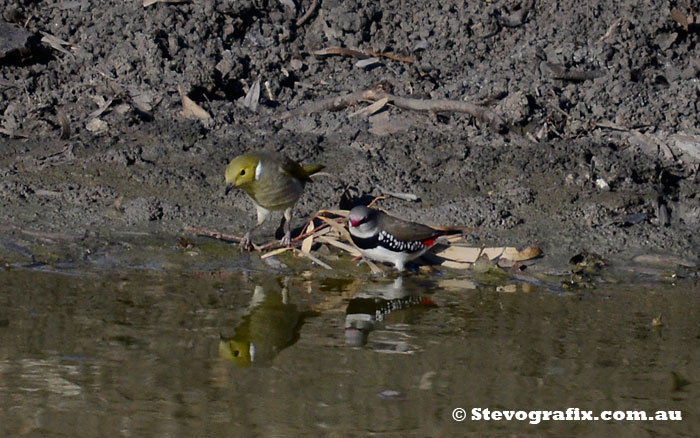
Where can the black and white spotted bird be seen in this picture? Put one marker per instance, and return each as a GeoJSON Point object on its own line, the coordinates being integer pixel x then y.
{"type": "Point", "coordinates": [386, 238]}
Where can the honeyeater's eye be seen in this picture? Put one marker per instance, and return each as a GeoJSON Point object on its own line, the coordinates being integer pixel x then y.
{"type": "Point", "coordinates": [243, 172]}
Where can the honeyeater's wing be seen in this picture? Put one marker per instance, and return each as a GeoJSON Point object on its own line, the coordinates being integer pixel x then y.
{"type": "Point", "coordinates": [295, 170]}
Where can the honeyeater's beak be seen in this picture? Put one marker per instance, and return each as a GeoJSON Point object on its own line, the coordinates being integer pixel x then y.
{"type": "Point", "coordinates": [229, 186]}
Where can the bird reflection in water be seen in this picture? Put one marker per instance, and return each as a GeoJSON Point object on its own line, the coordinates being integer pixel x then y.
{"type": "Point", "coordinates": [383, 303]}
{"type": "Point", "coordinates": [271, 324]}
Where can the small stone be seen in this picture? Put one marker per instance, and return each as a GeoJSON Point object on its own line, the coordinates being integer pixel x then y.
{"type": "Point", "coordinates": [602, 184]}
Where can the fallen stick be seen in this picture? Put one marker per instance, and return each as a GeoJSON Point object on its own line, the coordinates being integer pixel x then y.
{"type": "Point", "coordinates": [445, 105]}
{"type": "Point", "coordinates": [309, 12]}
{"type": "Point", "coordinates": [319, 231]}
{"type": "Point", "coordinates": [391, 56]}
{"type": "Point", "coordinates": [329, 104]}
{"type": "Point", "coordinates": [342, 51]}
{"type": "Point", "coordinates": [436, 105]}
{"type": "Point", "coordinates": [213, 234]}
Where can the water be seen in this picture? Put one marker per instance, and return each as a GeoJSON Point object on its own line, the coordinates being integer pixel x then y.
{"type": "Point", "coordinates": [171, 351]}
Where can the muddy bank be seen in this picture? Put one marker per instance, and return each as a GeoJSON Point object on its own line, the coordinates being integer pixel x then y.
{"type": "Point", "coordinates": [601, 104]}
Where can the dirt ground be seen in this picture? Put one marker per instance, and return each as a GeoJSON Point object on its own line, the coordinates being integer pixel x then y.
{"type": "Point", "coordinates": [600, 151]}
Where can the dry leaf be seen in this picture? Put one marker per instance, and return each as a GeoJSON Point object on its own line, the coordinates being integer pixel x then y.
{"type": "Point", "coordinates": [455, 237]}
{"type": "Point", "coordinates": [274, 252]}
{"type": "Point", "coordinates": [253, 96]}
{"type": "Point", "coordinates": [465, 254]}
{"type": "Point", "coordinates": [679, 18]}
{"type": "Point", "coordinates": [55, 42]}
{"type": "Point", "coordinates": [190, 109]}
{"type": "Point", "coordinates": [322, 230]}
{"type": "Point", "coordinates": [528, 253]}
{"type": "Point", "coordinates": [338, 244]}
{"type": "Point", "coordinates": [344, 233]}
{"type": "Point", "coordinates": [368, 62]}
{"type": "Point", "coordinates": [460, 253]}
{"type": "Point", "coordinates": [456, 265]}
{"type": "Point", "coordinates": [309, 241]}
{"type": "Point", "coordinates": [497, 252]}
{"type": "Point", "coordinates": [371, 109]}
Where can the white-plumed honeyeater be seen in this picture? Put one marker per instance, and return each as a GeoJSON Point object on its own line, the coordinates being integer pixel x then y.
{"type": "Point", "coordinates": [273, 182]}
{"type": "Point", "coordinates": [386, 238]}
{"type": "Point", "coordinates": [271, 325]}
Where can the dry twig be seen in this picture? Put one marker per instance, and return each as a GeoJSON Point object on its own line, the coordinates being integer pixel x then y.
{"type": "Point", "coordinates": [391, 56]}
{"type": "Point", "coordinates": [343, 51]}
{"type": "Point", "coordinates": [309, 12]}
{"type": "Point", "coordinates": [436, 105]}
{"type": "Point", "coordinates": [684, 19]}
{"type": "Point", "coordinates": [213, 234]}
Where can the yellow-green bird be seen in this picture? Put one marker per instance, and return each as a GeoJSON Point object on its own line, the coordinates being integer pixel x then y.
{"type": "Point", "coordinates": [273, 182]}
{"type": "Point", "coordinates": [271, 325]}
